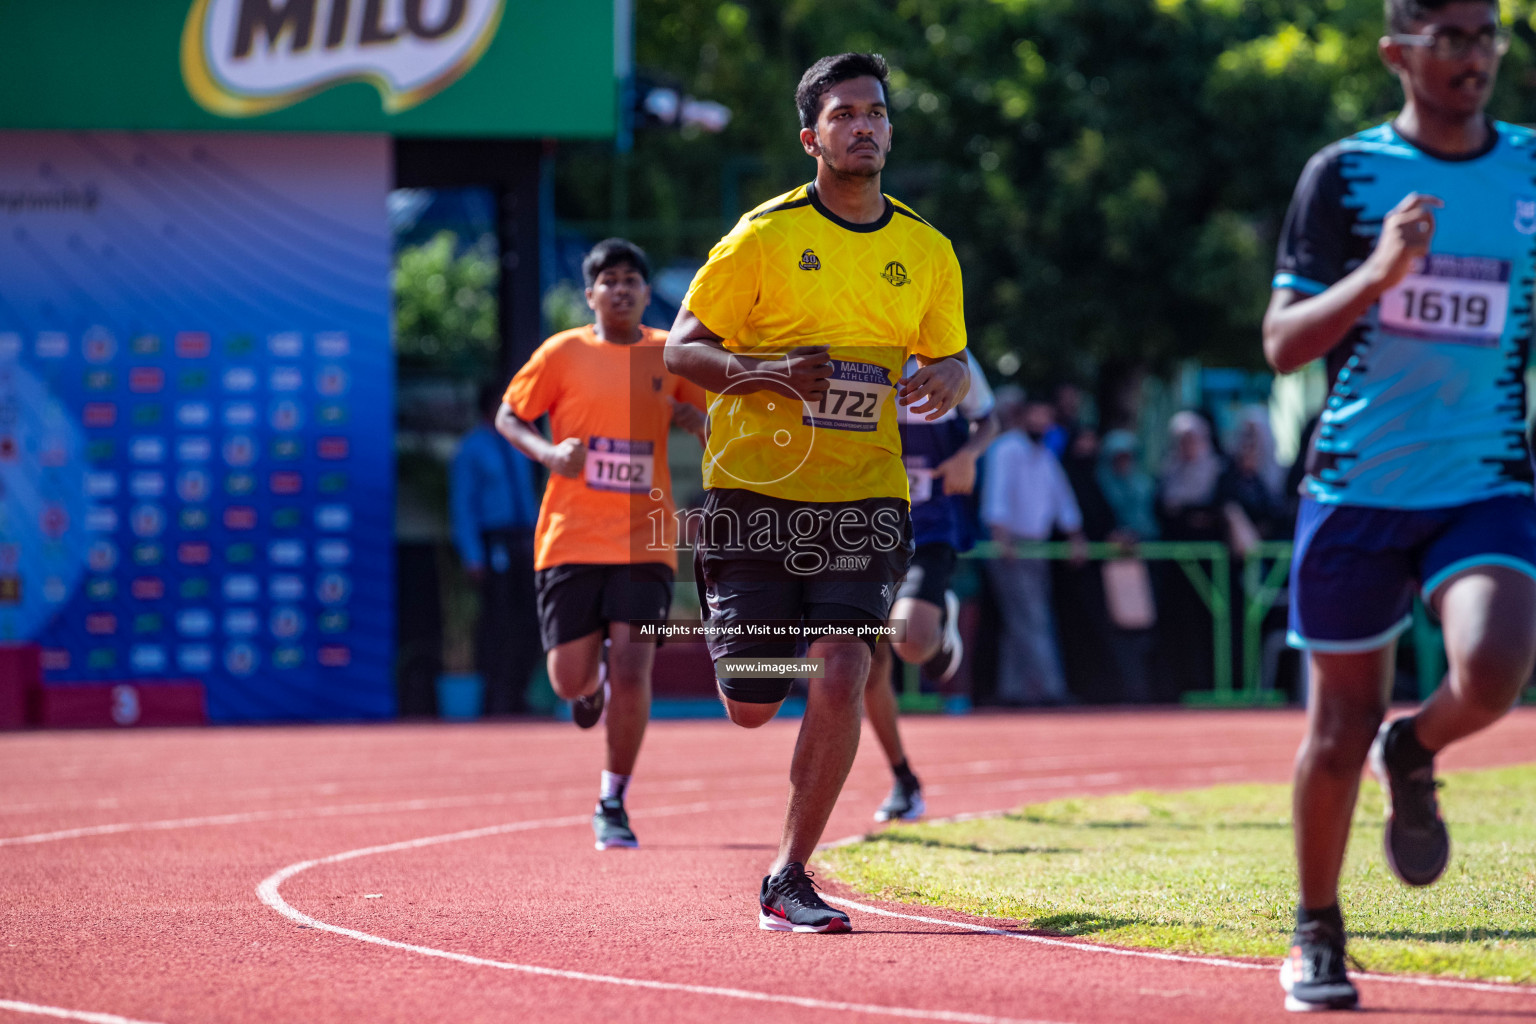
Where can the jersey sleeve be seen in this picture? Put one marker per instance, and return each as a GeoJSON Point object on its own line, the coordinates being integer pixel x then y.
{"type": "Point", "coordinates": [690, 393]}
{"type": "Point", "coordinates": [726, 287]}
{"type": "Point", "coordinates": [942, 331]}
{"type": "Point", "coordinates": [534, 387]}
{"type": "Point", "coordinates": [978, 401]}
{"type": "Point", "coordinates": [1315, 238]}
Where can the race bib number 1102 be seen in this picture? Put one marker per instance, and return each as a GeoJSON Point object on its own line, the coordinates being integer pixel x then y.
{"type": "Point", "coordinates": [615, 464]}
{"type": "Point", "coordinates": [1461, 299]}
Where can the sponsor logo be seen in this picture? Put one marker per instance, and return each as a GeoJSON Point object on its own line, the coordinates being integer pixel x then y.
{"type": "Point", "coordinates": [195, 658]}
{"type": "Point", "coordinates": [193, 414]}
{"type": "Point", "coordinates": [194, 589]}
{"type": "Point", "coordinates": [101, 451]}
{"type": "Point", "coordinates": [191, 380]}
{"type": "Point", "coordinates": [55, 660]}
{"type": "Point", "coordinates": [239, 450]}
{"type": "Point", "coordinates": [194, 449]}
{"type": "Point", "coordinates": [332, 381]}
{"type": "Point", "coordinates": [147, 449]}
{"type": "Point", "coordinates": [101, 589]}
{"type": "Point", "coordinates": [286, 552]}
{"type": "Point", "coordinates": [192, 485]}
{"type": "Point", "coordinates": [239, 414]}
{"type": "Point", "coordinates": [239, 483]}
{"type": "Point", "coordinates": [334, 656]}
{"type": "Point", "coordinates": [149, 622]}
{"type": "Point", "coordinates": [286, 378]}
{"type": "Point", "coordinates": [333, 483]}
{"type": "Point", "coordinates": [287, 449]}
{"type": "Point", "coordinates": [286, 415]}
{"type": "Point", "coordinates": [52, 345]}
{"type": "Point", "coordinates": [146, 485]}
{"type": "Point", "coordinates": [148, 588]}
{"type": "Point", "coordinates": [54, 520]}
{"type": "Point", "coordinates": [286, 588]}
{"type": "Point", "coordinates": [240, 622]}
{"type": "Point", "coordinates": [809, 260]}
{"type": "Point", "coordinates": [1525, 215]}
{"type": "Point", "coordinates": [287, 623]}
{"type": "Point", "coordinates": [193, 345]}
{"type": "Point", "coordinates": [98, 520]}
{"type": "Point", "coordinates": [194, 519]}
{"type": "Point", "coordinates": [288, 657]}
{"type": "Point", "coordinates": [102, 556]}
{"type": "Point", "coordinates": [286, 518]}
{"type": "Point", "coordinates": [146, 345]}
{"type": "Point", "coordinates": [125, 699]}
{"type": "Point", "coordinates": [333, 518]}
{"type": "Point", "coordinates": [332, 448]}
{"type": "Point", "coordinates": [194, 622]}
{"type": "Point", "coordinates": [147, 554]}
{"type": "Point", "coordinates": [240, 659]}
{"type": "Point", "coordinates": [333, 344]}
{"type": "Point", "coordinates": [239, 378]}
{"type": "Point", "coordinates": [286, 483]}
{"type": "Point", "coordinates": [241, 588]}
{"type": "Point", "coordinates": [146, 380]}
{"type": "Point", "coordinates": [146, 415]}
{"type": "Point", "coordinates": [99, 345]}
{"type": "Point", "coordinates": [240, 517]}
{"type": "Point", "coordinates": [100, 380]}
{"type": "Point", "coordinates": [288, 345]}
{"type": "Point", "coordinates": [101, 624]}
{"type": "Point", "coordinates": [99, 414]}
{"type": "Point", "coordinates": [102, 657]}
{"type": "Point", "coordinates": [240, 554]}
{"type": "Point", "coordinates": [895, 274]}
{"type": "Point", "coordinates": [147, 520]}
{"type": "Point", "coordinates": [242, 58]}
{"type": "Point", "coordinates": [193, 553]}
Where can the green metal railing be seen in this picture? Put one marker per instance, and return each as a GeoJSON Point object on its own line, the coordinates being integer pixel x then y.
{"type": "Point", "coordinates": [1207, 565]}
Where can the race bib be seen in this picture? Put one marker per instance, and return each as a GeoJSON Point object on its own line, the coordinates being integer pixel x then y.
{"type": "Point", "coordinates": [919, 481]}
{"type": "Point", "coordinates": [855, 398]}
{"type": "Point", "coordinates": [614, 464]}
{"type": "Point", "coordinates": [1460, 299]}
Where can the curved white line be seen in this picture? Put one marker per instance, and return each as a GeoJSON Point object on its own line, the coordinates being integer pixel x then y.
{"type": "Point", "coordinates": [63, 1014]}
{"type": "Point", "coordinates": [268, 892]}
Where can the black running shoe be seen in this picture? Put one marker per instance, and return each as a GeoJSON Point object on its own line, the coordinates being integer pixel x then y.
{"type": "Point", "coordinates": [904, 804]}
{"type": "Point", "coordinates": [1416, 842]}
{"type": "Point", "coordinates": [1313, 974]}
{"type": "Point", "coordinates": [587, 711]}
{"type": "Point", "coordinates": [610, 824]}
{"type": "Point", "coordinates": [789, 904]}
{"type": "Point", "coordinates": [941, 668]}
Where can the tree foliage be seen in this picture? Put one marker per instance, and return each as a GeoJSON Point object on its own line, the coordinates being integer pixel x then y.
{"type": "Point", "coordinates": [1112, 172]}
{"type": "Point", "coordinates": [445, 306]}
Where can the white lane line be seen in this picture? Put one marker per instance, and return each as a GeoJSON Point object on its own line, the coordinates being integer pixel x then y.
{"type": "Point", "coordinates": [268, 893]}
{"type": "Point", "coordinates": [63, 1014]}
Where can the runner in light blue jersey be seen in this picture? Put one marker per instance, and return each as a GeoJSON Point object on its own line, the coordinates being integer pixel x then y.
{"type": "Point", "coordinates": [1406, 262]}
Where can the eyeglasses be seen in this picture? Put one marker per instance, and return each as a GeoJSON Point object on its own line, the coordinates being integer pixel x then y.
{"type": "Point", "coordinates": [1451, 44]}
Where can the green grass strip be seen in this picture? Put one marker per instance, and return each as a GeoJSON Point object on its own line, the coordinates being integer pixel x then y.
{"type": "Point", "coordinates": [1212, 871]}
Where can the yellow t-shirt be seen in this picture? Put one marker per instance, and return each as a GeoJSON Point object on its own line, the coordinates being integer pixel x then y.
{"type": "Point", "coordinates": [794, 273]}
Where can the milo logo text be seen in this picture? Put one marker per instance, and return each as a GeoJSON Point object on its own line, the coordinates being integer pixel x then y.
{"type": "Point", "coordinates": [241, 58]}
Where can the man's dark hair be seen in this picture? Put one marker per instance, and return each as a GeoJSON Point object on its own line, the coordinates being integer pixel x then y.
{"type": "Point", "coordinates": [614, 252]}
{"type": "Point", "coordinates": [1403, 14]}
{"type": "Point", "coordinates": [829, 71]}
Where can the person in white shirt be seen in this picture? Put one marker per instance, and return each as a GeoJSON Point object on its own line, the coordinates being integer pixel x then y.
{"type": "Point", "coordinates": [1025, 496]}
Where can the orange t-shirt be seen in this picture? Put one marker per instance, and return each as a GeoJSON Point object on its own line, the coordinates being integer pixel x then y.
{"type": "Point", "coordinates": [615, 399]}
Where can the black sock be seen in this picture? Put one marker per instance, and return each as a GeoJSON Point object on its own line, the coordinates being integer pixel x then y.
{"type": "Point", "coordinates": [1330, 915]}
{"type": "Point", "coordinates": [903, 773]}
{"type": "Point", "coordinates": [1403, 746]}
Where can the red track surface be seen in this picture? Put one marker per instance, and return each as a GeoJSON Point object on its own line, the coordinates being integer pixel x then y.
{"type": "Point", "coordinates": [130, 865]}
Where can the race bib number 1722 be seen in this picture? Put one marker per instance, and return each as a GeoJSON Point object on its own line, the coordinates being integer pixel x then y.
{"type": "Point", "coordinates": [1445, 298]}
{"type": "Point", "coordinates": [854, 400]}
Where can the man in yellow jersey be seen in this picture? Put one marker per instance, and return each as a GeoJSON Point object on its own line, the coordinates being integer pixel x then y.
{"type": "Point", "coordinates": [798, 326]}
{"type": "Point", "coordinates": [610, 402]}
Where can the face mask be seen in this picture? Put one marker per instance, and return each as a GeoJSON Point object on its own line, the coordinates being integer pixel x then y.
{"type": "Point", "coordinates": [1035, 435]}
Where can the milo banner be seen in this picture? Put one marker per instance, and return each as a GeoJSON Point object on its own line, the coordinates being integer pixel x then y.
{"type": "Point", "coordinates": [489, 68]}
{"type": "Point", "coordinates": [196, 474]}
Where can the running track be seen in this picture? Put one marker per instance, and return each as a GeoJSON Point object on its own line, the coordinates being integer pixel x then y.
{"type": "Point", "coordinates": [446, 873]}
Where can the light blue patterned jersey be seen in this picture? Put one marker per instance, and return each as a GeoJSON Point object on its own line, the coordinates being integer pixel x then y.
{"type": "Point", "coordinates": [1427, 403]}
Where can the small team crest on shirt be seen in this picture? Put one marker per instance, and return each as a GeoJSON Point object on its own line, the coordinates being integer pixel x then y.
{"type": "Point", "coordinates": [809, 260]}
{"type": "Point", "coordinates": [656, 383]}
{"type": "Point", "coordinates": [895, 274]}
{"type": "Point", "coordinates": [1525, 215]}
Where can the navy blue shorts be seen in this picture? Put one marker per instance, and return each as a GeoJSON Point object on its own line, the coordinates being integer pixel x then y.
{"type": "Point", "coordinates": [1355, 569]}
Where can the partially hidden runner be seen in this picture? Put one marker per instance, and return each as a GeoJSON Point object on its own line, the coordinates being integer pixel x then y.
{"type": "Point", "coordinates": [798, 326]}
{"type": "Point", "coordinates": [1406, 261]}
{"type": "Point", "coordinates": [940, 456]}
{"type": "Point", "coordinates": [600, 573]}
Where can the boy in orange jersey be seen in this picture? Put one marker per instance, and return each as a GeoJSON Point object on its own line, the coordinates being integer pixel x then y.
{"type": "Point", "coordinates": [599, 573]}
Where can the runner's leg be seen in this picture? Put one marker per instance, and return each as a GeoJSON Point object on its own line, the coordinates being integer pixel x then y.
{"type": "Point", "coordinates": [1489, 615]}
{"type": "Point", "coordinates": [1346, 706]}
{"type": "Point", "coordinates": [829, 738]}
{"type": "Point", "coordinates": [880, 704]}
{"type": "Point", "coordinates": [573, 666]}
{"type": "Point", "coordinates": [629, 695]}
{"type": "Point", "coordinates": [925, 629]}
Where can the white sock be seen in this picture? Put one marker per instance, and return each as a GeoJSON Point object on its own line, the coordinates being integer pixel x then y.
{"type": "Point", "coordinates": [614, 786]}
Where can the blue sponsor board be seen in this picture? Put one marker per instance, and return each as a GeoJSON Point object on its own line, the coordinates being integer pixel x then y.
{"type": "Point", "coordinates": [196, 419]}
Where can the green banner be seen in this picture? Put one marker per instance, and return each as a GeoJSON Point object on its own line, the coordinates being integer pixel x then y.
{"type": "Point", "coordinates": [487, 68]}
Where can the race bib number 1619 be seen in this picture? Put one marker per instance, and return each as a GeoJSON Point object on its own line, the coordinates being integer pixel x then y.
{"type": "Point", "coordinates": [1445, 298]}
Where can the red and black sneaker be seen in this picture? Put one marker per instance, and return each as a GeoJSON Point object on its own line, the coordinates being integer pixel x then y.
{"type": "Point", "coordinates": [789, 904]}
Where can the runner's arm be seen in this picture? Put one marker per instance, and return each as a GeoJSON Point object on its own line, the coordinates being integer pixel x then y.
{"type": "Point", "coordinates": [565, 458]}
{"type": "Point", "coordinates": [1299, 328]}
{"type": "Point", "coordinates": [698, 354]}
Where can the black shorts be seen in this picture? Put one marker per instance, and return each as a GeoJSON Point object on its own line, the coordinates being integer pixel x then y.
{"type": "Point", "coordinates": [576, 600]}
{"type": "Point", "coordinates": [769, 560]}
{"type": "Point", "coordinates": [930, 574]}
